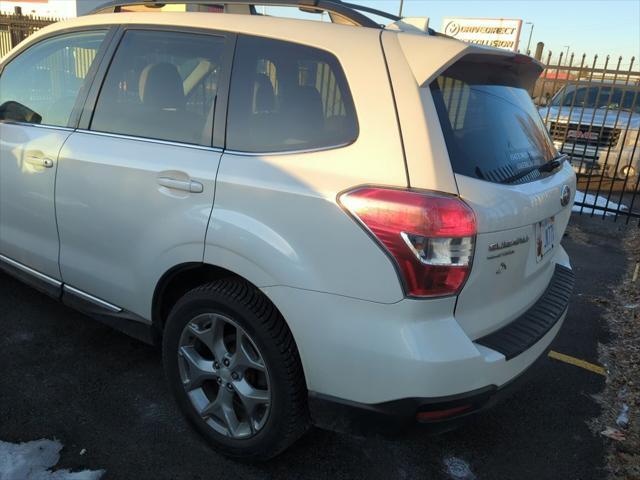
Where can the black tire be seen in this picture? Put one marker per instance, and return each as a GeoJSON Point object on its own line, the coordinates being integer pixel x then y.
{"type": "Point", "coordinates": [288, 418]}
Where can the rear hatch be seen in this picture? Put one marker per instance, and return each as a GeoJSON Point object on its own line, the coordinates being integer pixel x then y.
{"type": "Point", "coordinates": [499, 150]}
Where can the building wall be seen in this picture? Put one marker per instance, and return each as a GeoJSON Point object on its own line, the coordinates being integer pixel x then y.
{"type": "Point", "coordinates": [51, 8]}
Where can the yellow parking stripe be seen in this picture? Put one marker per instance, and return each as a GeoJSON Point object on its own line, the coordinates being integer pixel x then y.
{"type": "Point", "coordinates": [578, 363]}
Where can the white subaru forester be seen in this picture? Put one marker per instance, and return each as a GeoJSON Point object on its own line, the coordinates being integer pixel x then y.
{"type": "Point", "coordinates": [319, 222]}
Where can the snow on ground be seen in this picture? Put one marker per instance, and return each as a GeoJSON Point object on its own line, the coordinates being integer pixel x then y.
{"type": "Point", "coordinates": [598, 201]}
{"type": "Point", "coordinates": [33, 461]}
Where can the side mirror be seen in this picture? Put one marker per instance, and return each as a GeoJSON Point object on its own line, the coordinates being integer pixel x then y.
{"type": "Point", "coordinates": [17, 112]}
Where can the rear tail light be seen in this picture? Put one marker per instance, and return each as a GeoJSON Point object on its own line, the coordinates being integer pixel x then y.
{"type": "Point", "coordinates": [430, 236]}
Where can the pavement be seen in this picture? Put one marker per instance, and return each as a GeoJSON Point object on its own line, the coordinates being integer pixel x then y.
{"type": "Point", "coordinates": [102, 395]}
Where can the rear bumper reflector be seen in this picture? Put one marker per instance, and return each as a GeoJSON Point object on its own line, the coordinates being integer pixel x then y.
{"type": "Point", "coordinates": [432, 415]}
{"type": "Point", "coordinates": [529, 328]}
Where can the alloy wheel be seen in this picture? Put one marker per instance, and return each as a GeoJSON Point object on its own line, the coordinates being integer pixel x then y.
{"type": "Point", "coordinates": [224, 375]}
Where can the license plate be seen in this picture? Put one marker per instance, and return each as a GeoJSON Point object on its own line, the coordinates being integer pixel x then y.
{"type": "Point", "coordinates": [545, 237]}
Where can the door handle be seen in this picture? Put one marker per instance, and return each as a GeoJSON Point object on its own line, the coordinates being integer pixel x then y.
{"type": "Point", "coordinates": [39, 161]}
{"type": "Point", "coordinates": [190, 186]}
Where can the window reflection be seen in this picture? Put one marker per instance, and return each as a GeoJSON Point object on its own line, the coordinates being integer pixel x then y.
{"type": "Point", "coordinates": [42, 84]}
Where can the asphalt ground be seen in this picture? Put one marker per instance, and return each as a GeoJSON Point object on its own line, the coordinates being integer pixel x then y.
{"type": "Point", "coordinates": [64, 376]}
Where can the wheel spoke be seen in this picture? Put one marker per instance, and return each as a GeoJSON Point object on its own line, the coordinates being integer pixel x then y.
{"type": "Point", "coordinates": [204, 334]}
{"type": "Point", "coordinates": [222, 409]}
{"type": "Point", "coordinates": [251, 397]}
{"type": "Point", "coordinates": [200, 369]}
{"type": "Point", "coordinates": [212, 335]}
{"type": "Point", "coordinates": [244, 357]}
{"type": "Point", "coordinates": [217, 346]}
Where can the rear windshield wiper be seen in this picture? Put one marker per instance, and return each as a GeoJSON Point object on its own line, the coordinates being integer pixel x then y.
{"type": "Point", "coordinates": [544, 168]}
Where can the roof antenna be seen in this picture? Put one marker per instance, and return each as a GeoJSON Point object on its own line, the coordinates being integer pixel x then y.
{"type": "Point", "coordinates": [401, 5]}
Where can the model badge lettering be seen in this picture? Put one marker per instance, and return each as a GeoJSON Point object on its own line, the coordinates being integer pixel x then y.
{"type": "Point", "coordinates": [494, 247]}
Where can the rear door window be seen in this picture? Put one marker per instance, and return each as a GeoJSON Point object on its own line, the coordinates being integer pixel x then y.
{"type": "Point", "coordinates": [287, 97]}
{"type": "Point", "coordinates": [162, 85]}
{"type": "Point", "coordinates": [491, 127]}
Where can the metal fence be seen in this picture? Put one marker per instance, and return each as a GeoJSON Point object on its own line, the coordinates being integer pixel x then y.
{"type": "Point", "coordinates": [592, 110]}
{"type": "Point", "coordinates": [15, 28]}
{"type": "Point", "coordinates": [591, 107]}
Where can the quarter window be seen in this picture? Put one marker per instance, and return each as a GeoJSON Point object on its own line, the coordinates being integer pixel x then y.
{"type": "Point", "coordinates": [287, 97]}
{"type": "Point", "coordinates": [42, 84]}
{"type": "Point", "coordinates": [162, 85]}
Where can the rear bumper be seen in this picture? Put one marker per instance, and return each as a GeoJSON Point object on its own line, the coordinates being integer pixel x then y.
{"type": "Point", "coordinates": [391, 417]}
{"type": "Point", "coordinates": [524, 332]}
{"type": "Point", "coordinates": [392, 359]}
{"type": "Point", "coordinates": [532, 332]}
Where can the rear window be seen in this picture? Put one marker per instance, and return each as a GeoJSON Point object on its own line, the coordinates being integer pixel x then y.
{"type": "Point", "coordinates": [491, 127]}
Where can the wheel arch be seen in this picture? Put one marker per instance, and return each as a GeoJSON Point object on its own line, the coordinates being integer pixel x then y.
{"type": "Point", "coordinates": [182, 278]}
{"type": "Point", "coordinates": [177, 281]}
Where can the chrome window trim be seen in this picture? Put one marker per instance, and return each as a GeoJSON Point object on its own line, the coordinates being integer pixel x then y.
{"type": "Point", "coordinates": [30, 271]}
{"type": "Point", "coordinates": [150, 140]}
{"type": "Point", "coordinates": [288, 152]}
{"type": "Point", "coordinates": [92, 299]}
{"type": "Point", "coordinates": [37, 125]}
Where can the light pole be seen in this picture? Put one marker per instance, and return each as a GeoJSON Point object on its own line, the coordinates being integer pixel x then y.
{"type": "Point", "coordinates": [530, 35]}
{"type": "Point", "coordinates": [401, 5]}
{"type": "Point", "coordinates": [566, 57]}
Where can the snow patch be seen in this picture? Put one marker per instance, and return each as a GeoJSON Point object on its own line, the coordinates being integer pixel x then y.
{"type": "Point", "coordinates": [598, 201]}
{"type": "Point", "coordinates": [458, 469]}
{"type": "Point", "coordinates": [33, 461]}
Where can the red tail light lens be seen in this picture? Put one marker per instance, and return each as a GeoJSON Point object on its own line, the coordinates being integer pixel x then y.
{"type": "Point", "coordinates": [430, 236]}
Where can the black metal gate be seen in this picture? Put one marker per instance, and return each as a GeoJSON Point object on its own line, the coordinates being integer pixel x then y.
{"type": "Point", "coordinates": [15, 28]}
{"type": "Point", "coordinates": [592, 111]}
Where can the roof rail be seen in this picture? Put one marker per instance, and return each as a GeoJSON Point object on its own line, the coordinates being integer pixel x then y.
{"type": "Point", "coordinates": [349, 11]}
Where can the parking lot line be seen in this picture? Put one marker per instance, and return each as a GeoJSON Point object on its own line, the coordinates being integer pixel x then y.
{"type": "Point", "coordinates": [578, 363]}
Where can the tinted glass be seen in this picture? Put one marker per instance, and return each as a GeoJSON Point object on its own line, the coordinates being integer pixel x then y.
{"type": "Point", "coordinates": [162, 85]}
{"type": "Point", "coordinates": [42, 84]}
{"type": "Point", "coordinates": [614, 98]}
{"type": "Point", "coordinates": [491, 127]}
{"type": "Point", "coordinates": [287, 97]}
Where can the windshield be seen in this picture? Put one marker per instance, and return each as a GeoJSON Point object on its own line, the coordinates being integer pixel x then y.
{"type": "Point", "coordinates": [491, 127]}
{"type": "Point", "coordinates": [615, 98]}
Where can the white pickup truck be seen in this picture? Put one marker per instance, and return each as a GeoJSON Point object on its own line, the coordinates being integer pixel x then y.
{"type": "Point", "coordinates": [597, 124]}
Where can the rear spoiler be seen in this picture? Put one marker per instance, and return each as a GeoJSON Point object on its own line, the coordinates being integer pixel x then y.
{"type": "Point", "coordinates": [429, 56]}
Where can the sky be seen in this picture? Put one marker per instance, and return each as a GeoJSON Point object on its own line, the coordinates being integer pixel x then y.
{"type": "Point", "coordinates": [602, 27]}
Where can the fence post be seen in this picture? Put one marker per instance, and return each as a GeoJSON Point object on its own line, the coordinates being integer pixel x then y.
{"type": "Point", "coordinates": [539, 49]}
{"type": "Point", "coordinates": [16, 33]}
{"type": "Point", "coordinates": [16, 27]}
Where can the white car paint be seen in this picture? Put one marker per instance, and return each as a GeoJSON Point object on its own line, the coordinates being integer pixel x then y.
{"type": "Point", "coordinates": [29, 234]}
{"type": "Point", "coordinates": [107, 190]}
{"type": "Point", "coordinates": [276, 222]}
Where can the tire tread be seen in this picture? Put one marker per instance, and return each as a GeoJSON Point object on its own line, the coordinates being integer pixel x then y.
{"type": "Point", "coordinates": [246, 295]}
